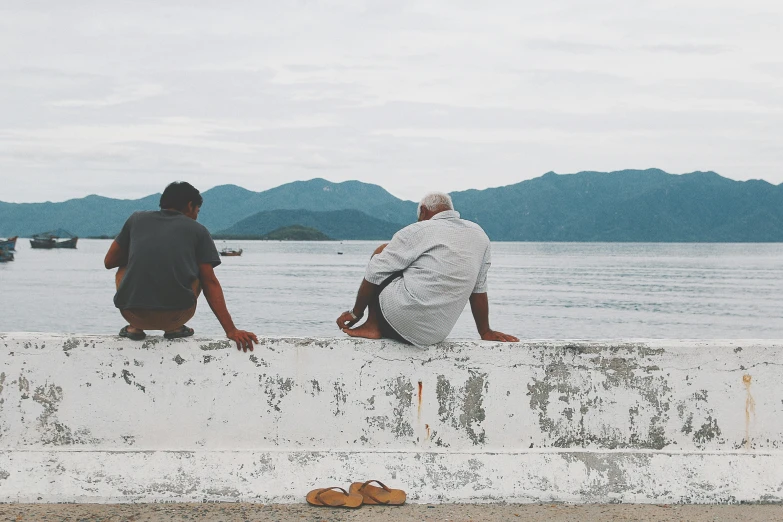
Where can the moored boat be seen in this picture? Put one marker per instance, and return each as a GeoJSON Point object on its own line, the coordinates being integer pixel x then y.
{"type": "Point", "coordinates": [54, 239]}
{"type": "Point", "coordinates": [9, 243]}
{"type": "Point", "coordinates": [6, 254]}
{"type": "Point", "coordinates": [231, 252]}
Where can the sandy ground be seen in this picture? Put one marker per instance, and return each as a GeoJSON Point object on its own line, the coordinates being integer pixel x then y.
{"type": "Point", "coordinates": [411, 512]}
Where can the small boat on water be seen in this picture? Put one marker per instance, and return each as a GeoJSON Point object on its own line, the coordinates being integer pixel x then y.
{"type": "Point", "coordinates": [6, 254]}
{"type": "Point", "coordinates": [231, 252]}
{"type": "Point", "coordinates": [54, 239]}
{"type": "Point", "coordinates": [9, 243]}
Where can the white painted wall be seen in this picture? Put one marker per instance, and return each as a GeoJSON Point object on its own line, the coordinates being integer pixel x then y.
{"type": "Point", "coordinates": [101, 419]}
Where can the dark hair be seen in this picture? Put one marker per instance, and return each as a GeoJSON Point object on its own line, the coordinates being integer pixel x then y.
{"type": "Point", "coordinates": [178, 194]}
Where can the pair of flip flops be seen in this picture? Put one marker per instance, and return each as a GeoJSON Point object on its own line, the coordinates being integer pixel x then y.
{"type": "Point", "coordinates": [359, 493]}
{"type": "Point", "coordinates": [184, 331]}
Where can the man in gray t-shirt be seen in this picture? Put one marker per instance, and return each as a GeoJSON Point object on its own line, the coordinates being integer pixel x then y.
{"type": "Point", "coordinates": [165, 258]}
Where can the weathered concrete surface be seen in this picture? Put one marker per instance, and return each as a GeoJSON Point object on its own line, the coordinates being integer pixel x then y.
{"type": "Point", "coordinates": [410, 512]}
{"type": "Point", "coordinates": [99, 419]}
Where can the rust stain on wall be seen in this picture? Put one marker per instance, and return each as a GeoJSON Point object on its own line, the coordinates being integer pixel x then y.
{"type": "Point", "coordinates": [420, 390]}
{"type": "Point", "coordinates": [750, 408]}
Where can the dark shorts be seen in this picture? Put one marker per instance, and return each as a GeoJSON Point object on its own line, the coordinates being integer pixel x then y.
{"type": "Point", "coordinates": [166, 320]}
{"type": "Point", "coordinates": [387, 330]}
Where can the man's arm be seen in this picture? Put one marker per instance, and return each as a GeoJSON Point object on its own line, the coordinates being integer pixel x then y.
{"type": "Point", "coordinates": [388, 259]}
{"type": "Point", "coordinates": [217, 302]}
{"type": "Point", "coordinates": [118, 253]}
{"type": "Point", "coordinates": [366, 292]}
{"type": "Point", "coordinates": [115, 257]}
{"type": "Point", "coordinates": [479, 305]}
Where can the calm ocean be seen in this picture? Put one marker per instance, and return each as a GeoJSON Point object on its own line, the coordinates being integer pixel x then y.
{"type": "Point", "coordinates": [537, 290]}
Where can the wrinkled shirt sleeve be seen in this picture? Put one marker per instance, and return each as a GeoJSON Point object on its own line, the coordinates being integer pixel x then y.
{"type": "Point", "coordinates": [398, 255]}
{"type": "Point", "coordinates": [481, 281]}
{"type": "Point", "coordinates": [206, 251]}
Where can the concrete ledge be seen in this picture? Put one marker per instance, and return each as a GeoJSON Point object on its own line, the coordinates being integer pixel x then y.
{"type": "Point", "coordinates": [99, 419]}
{"type": "Point", "coordinates": [282, 477]}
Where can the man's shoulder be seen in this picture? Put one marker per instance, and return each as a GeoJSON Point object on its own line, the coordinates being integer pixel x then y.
{"type": "Point", "coordinates": [191, 224]}
{"type": "Point", "coordinates": [143, 214]}
{"type": "Point", "coordinates": [421, 226]}
{"type": "Point", "coordinates": [473, 226]}
{"type": "Point", "coordinates": [413, 229]}
{"type": "Point", "coordinates": [470, 224]}
{"type": "Point", "coordinates": [160, 217]}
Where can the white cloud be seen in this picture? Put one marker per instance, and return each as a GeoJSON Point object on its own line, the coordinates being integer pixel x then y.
{"type": "Point", "coordinates": [124, 94]}
{"type": "Point", "coordinates": [118, 98]}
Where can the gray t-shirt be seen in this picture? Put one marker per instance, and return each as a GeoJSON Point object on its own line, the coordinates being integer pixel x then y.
{"type": "Point", "coordinates": [164, 249]}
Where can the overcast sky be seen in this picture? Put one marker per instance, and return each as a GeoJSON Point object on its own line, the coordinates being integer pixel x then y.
{"type": "Point", "coordinates": [119, 98]}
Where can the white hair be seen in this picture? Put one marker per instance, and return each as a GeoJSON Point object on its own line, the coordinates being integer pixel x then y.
{"type": "Point", "coordinates": [435, 201]}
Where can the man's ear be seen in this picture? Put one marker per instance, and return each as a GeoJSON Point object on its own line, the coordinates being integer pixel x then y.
{"type": "Point", "coordinates": [191, 210]}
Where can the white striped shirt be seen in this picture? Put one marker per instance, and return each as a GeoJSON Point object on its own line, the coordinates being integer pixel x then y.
{"type": "Point", "coordinates": [443, 261]}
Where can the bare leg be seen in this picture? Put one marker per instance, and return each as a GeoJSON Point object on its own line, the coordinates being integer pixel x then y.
{"type": "Point", "coordinates": [370, 329]}
{"type": "Point", "coordinates": [117, 280]}
{"type": "Point", "coordinates": [187, 315]}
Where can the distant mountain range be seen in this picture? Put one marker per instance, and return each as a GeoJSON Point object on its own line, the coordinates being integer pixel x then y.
{"type": "Point", "coordinates": [629, 205]}
{"type": "Point", "coordinates": [295, 233]}
{"type": "Point", "coordinates": [340, 224]}
{"type": "Point", "coordinates": [226, 205]}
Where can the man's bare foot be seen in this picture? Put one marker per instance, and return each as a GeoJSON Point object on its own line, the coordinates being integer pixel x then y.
{"type": "Point", "coordinates": [367, 331]}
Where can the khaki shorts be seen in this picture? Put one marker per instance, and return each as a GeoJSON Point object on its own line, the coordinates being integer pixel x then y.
{"type": "Point", "coordinates": [166, 320]}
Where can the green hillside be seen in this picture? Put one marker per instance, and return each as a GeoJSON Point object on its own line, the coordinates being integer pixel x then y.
{"type": "Point", "coordinates": [336, 224]}
{"type": "Point", "coordinates": [227, 204]}
{"type": "Point", "coordinates": [224, 206]}
{"type": "Point", "coordinates": [628, 205]}
{"type": "Point", "coordinates": [88, 216]}
{"type": "Point", "coordinates": [289, 233]}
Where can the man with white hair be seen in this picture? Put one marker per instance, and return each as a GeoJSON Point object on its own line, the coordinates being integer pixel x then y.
{"type": "Point", "coordinates": [416, 286]}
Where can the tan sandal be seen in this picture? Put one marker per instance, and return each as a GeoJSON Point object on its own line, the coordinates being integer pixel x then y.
{"type": "Point", "coordinates": [383, 495]}
{"type": "Point", "coordinates": [335, 497]}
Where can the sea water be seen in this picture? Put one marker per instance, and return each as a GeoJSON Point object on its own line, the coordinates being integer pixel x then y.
{"type": "Point", "coordinates": [536, 290]}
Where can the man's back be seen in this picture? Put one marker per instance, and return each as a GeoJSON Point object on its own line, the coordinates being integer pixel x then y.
{"type": "Point", "coordinates": [443, 261]}
{"type": "Point", "coordinates": [164, 249]}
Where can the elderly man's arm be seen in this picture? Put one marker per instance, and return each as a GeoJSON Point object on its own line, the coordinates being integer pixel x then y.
{"type": "Point", "coordinates": [116, 257]}
{"type": "Point", "coordinates": [387, 260]}
{"type": "Point", "coordinates": [479, 305]}
{"type": "Point", "coordinates": [364, 296]}
{"type": "Point", "coordinates": [217, 302]}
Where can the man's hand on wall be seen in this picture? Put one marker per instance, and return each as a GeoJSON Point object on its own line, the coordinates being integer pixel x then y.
{"type": "Point", "coordinates": [493, 335]}
{"type": "Point", "coordinates": [243, 339]}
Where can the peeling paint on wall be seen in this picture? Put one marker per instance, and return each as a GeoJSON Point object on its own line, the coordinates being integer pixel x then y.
{"type": "Point", "coordinates": [462, 420]}
{"type": "Point", "coordinates": [462, 408]}
{"type": "Point", "coordinates": [402, 389]}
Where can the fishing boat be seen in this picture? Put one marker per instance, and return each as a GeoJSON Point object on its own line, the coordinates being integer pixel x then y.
{"type": "Point", "coordinates": [6, 254]}
{"type": "Point", "coordinates": [231, 252]}
{"type": "Point", "coordinates": [9, 243]}
{"type": "Point", "coordinates": [54, 239]}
